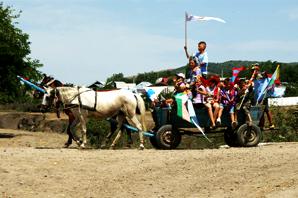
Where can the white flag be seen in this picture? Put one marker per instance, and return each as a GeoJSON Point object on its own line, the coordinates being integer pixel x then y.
{"type": "Point", "coordinates": [202, 18]}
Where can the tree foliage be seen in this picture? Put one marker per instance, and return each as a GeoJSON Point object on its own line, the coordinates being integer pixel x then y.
{"type": "Point", "coordinates": [119, 77]}
{"type": "Point", "coordinates": [14, 59]}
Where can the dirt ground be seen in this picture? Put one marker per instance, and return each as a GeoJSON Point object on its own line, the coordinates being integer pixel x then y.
{"type": "Point", "coordinates": [34, 164]}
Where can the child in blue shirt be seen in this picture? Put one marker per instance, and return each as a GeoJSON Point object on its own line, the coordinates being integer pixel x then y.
{"type": "Point", "coordinates": [201, 56]}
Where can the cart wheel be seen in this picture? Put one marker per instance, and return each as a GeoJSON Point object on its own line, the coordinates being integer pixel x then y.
{"type": "Point", "coordinates": [166, 138]}
{"type": "Point", "coordinates": [249, 136]}
{"type": "Point", "coordinates": [230, 138]}
{"type": "Point", "coordinates": [154, 142]}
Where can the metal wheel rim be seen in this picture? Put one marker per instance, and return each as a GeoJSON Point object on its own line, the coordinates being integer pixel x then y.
{"type": "Point", "coordinates": [166, 137]}
{"type": "Point", "coordinates": [249, 137]}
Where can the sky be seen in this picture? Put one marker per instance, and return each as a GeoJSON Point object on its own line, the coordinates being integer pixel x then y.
{"type": "Point", "coordinates": [81, 41]}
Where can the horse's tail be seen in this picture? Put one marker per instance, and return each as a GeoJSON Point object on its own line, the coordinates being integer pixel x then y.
{"type": "Point", "coordinates": [142, 109]}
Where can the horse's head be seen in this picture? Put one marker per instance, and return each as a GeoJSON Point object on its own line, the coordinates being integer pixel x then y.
{"type": "Point", "coordinates": [47, 81]}
{"type": "Point", "coordinates": [37, 94]}
{"type": "Point", "coordinates": [51, 99]}
{"type": "Point", "coordinates": [49, 84]}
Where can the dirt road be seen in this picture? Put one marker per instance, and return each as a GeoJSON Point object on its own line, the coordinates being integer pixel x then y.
{"type": "Point", "coordinates": [34, 165]}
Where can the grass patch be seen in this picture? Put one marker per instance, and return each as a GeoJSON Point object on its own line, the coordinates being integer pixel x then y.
{"type": "Point", "coordinates": [286, 122]}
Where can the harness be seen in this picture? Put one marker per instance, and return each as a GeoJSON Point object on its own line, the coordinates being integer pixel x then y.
{"type": "Point", "coordinates": [69, 106]}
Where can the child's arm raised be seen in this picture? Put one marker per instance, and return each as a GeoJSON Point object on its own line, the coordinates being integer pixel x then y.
{"type": "Point", "coordinates": [186, 52]}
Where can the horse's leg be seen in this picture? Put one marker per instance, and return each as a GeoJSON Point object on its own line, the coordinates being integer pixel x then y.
{"type": "Point", "coordinates": [139, 127]}
{"type": "Point", "coordinates": [71, 119]}
{"type": "Point", "coordinates": [120, 119]}
{"type": "Point", "coordinates": [73, 126]}
{"type": "Point", "coordinates": [70, 136]}
{"type": "Point", "coordinates": [107, 139]}
{"type": "Point", "coordinates": [83, 122]}
{"type": "Point", "coordinates": [128, 132]}
{"type": "Point", "coordinates": [113, 127]}
{"type": "Point", "coordinates": [129, 138]}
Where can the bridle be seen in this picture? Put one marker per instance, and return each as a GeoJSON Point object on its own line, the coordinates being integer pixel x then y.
{"type": "Point", "coordinates": [56, 100]}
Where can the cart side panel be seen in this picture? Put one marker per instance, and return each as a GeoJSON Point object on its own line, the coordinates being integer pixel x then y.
{"type": "Point", "coordinates": [256, 113]}
{"type": "Point", "coordinates": [162, 116]}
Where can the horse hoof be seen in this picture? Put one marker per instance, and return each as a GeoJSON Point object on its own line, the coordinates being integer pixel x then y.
{"type": "Point", "coordinates": [112, 147]}
{"type": "Point", "coordinates": [79, 143]}
{"type": "Point", "coordinates": [66, 145]}
{"type": "Point", "coordinates": [103, 146]}
{"type": "Point", "coordinates": [82, 146]}
{"type": "Point", "coordinates": [142, 147]}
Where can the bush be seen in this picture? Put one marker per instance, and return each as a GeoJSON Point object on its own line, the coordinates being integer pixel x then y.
{"type": "Point", "coordinates": [97, 130]}
{"type": "Point", "coordinates": [23, 104]}
{"type": "Point", "coordinates": [292, 89]}
{"type": "Point", "coordinates": [286, 123]}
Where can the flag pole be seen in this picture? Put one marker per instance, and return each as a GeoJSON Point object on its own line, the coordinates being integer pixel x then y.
{"type": "Point", "coordinates": [185, 28]}
{"type": "Point", "coordinates": [267, 86]}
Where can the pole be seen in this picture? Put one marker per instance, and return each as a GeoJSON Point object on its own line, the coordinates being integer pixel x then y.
{"type": "Point", "coordinates": [31, 84]}
{"type": "Point", "coordinates": [262, 101]}
{"type": "Point", "coordinates": [185, 28]}
{"type": "Point", "coordinates": [239, 107]}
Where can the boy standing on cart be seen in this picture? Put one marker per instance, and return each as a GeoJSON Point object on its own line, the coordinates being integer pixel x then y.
{"type": "Point", "coordinates": [201, 56]}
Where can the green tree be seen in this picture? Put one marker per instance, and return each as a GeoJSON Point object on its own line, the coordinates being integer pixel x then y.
{"type": "Point", "coordinates": [119, 77]}
{"type": "Point", "coordinates": [14, 59]}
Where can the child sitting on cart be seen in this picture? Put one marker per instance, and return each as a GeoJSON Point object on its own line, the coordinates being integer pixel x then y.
{"type": "Point", "coordinates": [228, 95]}
{"type": "Point", "coordinates": [193, 71]}
{"type": "Point", "coordinates": [214, 96]}
{"type": "Point", "coordinates": [180, 85]}
{"type": "Point", "coordinates": [199, 100]}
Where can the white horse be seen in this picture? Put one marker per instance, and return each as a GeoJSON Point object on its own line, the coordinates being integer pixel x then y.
{"type": "Point", "coordinates": [122, 103]}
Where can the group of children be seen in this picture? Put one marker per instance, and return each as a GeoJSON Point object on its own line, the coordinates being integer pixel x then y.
{"type": "Point", "coordinates": [212, 93]}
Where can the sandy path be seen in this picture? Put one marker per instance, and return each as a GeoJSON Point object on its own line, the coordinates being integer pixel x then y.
{"type": "Point", "coordinates": [264, 171]}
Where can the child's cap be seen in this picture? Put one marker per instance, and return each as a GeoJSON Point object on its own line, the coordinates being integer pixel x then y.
{"type": "Point", "coordinates": [181, 75]}
{"type": "Point", "coordinates": [255, 66]}
{"type": "Point", "coordinates": [159, 80]}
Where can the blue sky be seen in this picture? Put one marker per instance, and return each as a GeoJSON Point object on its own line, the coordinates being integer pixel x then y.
{"type": "Point", "coordinates": [81, 41]}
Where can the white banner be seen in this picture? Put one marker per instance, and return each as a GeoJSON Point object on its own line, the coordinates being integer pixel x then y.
{"type": "Point", "coordinates": [202, 18]}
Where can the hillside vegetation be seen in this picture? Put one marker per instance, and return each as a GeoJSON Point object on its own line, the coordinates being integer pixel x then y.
{"type": "Point", "coordinates": [288, 73]}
